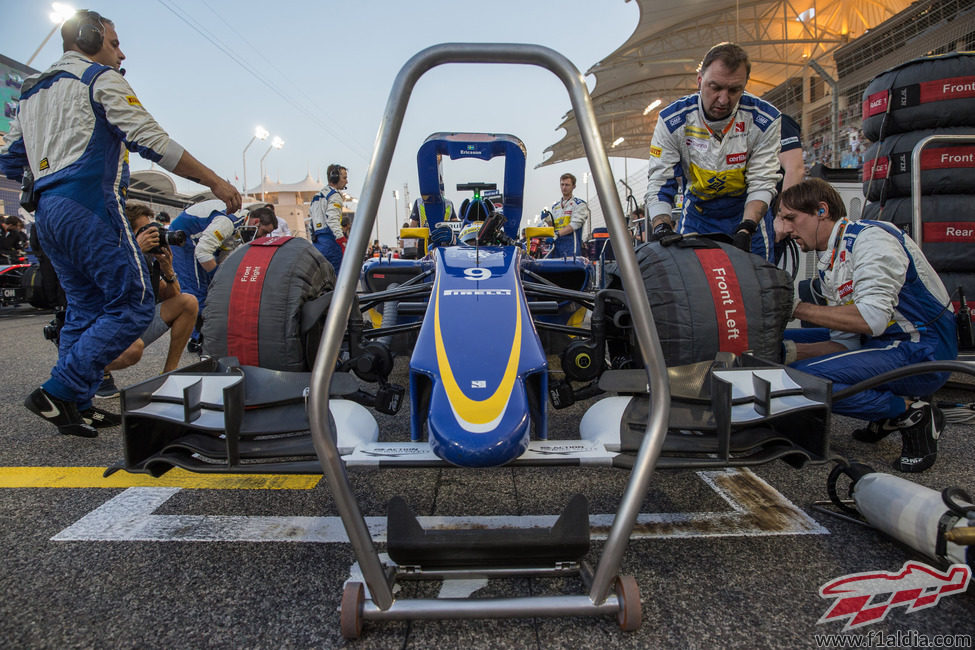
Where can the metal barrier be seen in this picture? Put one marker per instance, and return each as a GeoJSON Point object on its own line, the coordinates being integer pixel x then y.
{"type": "Point", "coordinates": [381, 604]}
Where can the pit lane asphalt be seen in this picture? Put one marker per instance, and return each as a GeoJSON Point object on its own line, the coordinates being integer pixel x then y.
{"type": "Point", "coordinates": [751, 591]}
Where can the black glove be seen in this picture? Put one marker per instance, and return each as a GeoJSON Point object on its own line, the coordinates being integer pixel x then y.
{"type": "Point", "coordinates": [441, 236]}
{"type": "Point", "coordinates": [661, 230]}
{"type": "Point", "coordinates": [743, 235]}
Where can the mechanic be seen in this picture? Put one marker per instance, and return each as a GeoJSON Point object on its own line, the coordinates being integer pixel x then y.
{"type": "Point", "coordinates": [568, 215]}
{"type": "Point", "coordinates": [75, 126]}
{"type": "Point", "coordinates": [885, 309]}
{"type": "Point", "coordinates": [282, 229]}
{"type": "Point", "coordinates": [439, 235]}
{"type": "Point", "coordinates": [175, 311]}
{"type": "Point", "coordinates": [326, 217]}
{"type": "Point", "coordinates": [210, 235]}
{"type": "Point", "coordinates": [723, 143]}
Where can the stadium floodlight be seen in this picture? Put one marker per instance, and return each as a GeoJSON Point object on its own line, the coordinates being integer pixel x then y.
{"type": "Point", "coordinates": [618, 141]}
{"type": "Point", "coordinates": [276, 143]}
{"type": "Point", "coordinates": [260, 133]}
{"type": "Point", "coordinates": [60, 12]}
{"type": "Point", "coordinates": [654, 104]}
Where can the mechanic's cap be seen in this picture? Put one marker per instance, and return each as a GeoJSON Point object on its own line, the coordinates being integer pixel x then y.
{"type": "Point", "coordinates": [469, 233]}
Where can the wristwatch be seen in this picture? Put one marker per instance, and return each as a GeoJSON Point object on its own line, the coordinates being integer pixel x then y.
{"type": "Point", "coordinates": [170, 279]}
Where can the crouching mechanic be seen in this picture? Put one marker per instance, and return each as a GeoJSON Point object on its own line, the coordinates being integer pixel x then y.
{"type": "Point", "coordinates": [326, 217]}
{"type": "Point", "coordinates": [175, 311]}
{"type": "Point", "coordinates": [724, 143]}
{"type": "Point", "coordinates": [886, 309]}
{"type": "Point", "coordinates": [210, 234]}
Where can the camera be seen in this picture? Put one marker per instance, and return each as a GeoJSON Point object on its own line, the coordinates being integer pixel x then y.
{"type": "Point", "coordinates": [52, 331]}
{"type": "Point", "coordinates": [167, 238]}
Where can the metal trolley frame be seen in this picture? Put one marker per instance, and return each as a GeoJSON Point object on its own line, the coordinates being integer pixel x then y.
{"type": "Point", "coordinates": [608, 593]}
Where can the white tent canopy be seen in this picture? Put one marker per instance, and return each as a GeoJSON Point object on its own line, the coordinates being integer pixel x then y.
{"type": "Point", "coordinates": [659, 60]}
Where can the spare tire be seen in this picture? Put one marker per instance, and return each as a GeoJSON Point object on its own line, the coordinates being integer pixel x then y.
{"type": "Point", "coordinates": [949, 227]}
{"type": "Point", "coordinates": [946, 168]}
{"type": "Point", "coordinates": [709, 297]}
{"type": "Point", "coordinates": [926, 93]}
{"type": "Point", "coordinates": [255, 302]}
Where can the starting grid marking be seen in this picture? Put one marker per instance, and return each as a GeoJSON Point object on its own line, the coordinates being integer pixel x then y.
{"type": "Point", "coordinates": [93, 477]}
{"type": "Point", "coordinates": [756, 509]}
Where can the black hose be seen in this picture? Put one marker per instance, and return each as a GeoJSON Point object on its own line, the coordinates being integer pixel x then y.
{"type": "Point", "coordinates": [922, 368]}
{"type": "Point", "coordinates": [855, 471]}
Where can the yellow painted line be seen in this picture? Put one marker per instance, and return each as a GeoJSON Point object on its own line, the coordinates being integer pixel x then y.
{"type": "Point", "coordinates": [92, 477]}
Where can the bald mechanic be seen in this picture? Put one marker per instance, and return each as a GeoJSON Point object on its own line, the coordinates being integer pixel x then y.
{"type": "Point", "coordinates": [75, 126]}
{"type": "Point", "coordinates": [723, 143]}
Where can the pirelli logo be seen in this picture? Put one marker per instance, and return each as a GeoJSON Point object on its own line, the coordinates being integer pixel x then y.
{"type": "Point", "coordinates": [477, 292]}
{"type": "Point", "coordinates": [655, 152]}
{"type": "Point", "coordinates": [133, 100]}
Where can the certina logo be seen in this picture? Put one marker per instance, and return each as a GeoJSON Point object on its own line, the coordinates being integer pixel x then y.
{"type": "Point", "coordinates": [477, 292]}
{"type": "Point", "coordinates": [865, 598]}
{"type": "Point", "coordinates": [846, 288]}
{"type": "Point", "coordinates": [736, 158]}
{"type": "Point", "coordinates": [955, 159]}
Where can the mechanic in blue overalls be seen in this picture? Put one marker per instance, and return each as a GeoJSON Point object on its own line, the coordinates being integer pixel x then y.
{"type": "Point", "coordinates": [76, 124]}
{"type": "Point", "coordinates": [569, 214]}
{"type": "Point", "coordinates": [325, 214]}
{"type": "Point", "coordinates": [885, 309]}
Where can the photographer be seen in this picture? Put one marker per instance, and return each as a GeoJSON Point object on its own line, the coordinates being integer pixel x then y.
{"type": "Point", "coordinates": [175, 311]}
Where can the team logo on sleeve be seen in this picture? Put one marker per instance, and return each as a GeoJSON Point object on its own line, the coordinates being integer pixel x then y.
{"type": "Point", "coordinates": [655, 152]}
{"type": "Point", "coordinates": [133, 100]}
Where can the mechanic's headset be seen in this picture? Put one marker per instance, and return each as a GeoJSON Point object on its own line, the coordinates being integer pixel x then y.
{"type": "Point", "coordinates": [334, 173]}
{"type": "Point", "coordinates": [91, 33]}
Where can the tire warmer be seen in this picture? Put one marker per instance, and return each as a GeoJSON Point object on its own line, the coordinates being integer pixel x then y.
{"type": "Point", "coordinates": [243, 340]}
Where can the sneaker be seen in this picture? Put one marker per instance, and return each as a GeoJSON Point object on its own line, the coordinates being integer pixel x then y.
{"type": "Point", "coordinates": [920, 428]}
{"type": "Point", "coordinates": [877, 430]}
{"type": "Point", "coordinates": [107, 389]}
{"type": "Point", "coordinates": [194, 347]}
{"type": "Point", "coordinates": [61, 413]}
{"type": "Point", "coordinates": [100, 418]}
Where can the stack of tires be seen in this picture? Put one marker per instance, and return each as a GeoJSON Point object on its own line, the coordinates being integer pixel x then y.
{"type": "Point", "coordinates": [932, 95]}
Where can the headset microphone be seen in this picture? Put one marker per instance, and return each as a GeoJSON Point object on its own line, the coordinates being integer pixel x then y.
{"type": "Point", "coordinates": [121, 71]}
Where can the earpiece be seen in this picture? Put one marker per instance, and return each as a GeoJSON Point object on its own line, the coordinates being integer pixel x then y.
{"type": "Point", "coordinates": [821, 212]}
{"type": "Point", "coordinates": [90, 32]}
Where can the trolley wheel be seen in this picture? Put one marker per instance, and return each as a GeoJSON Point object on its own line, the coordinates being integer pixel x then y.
{"type": "Point", "coordinates": [350, 616]}
{"type": "Point", "coordinates": [630, 615]}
